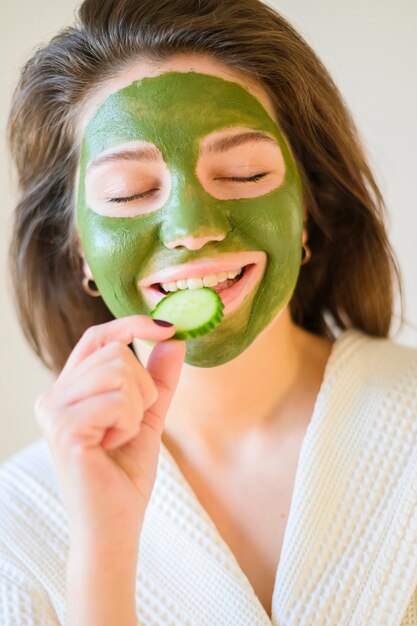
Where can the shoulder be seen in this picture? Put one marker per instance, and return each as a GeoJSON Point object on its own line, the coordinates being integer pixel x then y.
{"type": "Point", "coordinates": [33, 520]}
{"type": "Point", "coordinates": [372, 379]}
{"type": "Point", "coordinates": [23, 599]}
{"type": "Point", "coordinates": [378, 362]}
{"type": "Point", "coordinates": [28, 477]}
{"type": "Point", "coordinates": [33, 533]}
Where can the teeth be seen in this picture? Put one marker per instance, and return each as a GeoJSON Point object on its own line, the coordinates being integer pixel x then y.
{"type": "Point", "coordinates": [196, 283]}
{"type": "Point", "coordinates": [210, 281]}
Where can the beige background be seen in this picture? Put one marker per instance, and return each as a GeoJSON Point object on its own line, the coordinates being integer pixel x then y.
{"type": "Point", "coordinates": [369, 47]}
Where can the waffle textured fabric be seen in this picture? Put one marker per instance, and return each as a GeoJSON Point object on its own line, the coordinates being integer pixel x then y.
{"type": "Point", "coordinates": [349, 555]}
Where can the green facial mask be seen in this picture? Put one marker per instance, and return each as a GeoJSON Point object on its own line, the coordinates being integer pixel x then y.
{"type": "Point", "coordinates": [176, 111]}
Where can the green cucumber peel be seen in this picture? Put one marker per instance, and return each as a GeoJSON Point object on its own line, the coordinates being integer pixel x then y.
{"type": "Point", "coordinates": [194, 312]}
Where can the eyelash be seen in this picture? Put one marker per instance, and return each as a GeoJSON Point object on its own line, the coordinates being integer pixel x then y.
{"type": "Point", "coordinates": [137, 196]}
{"type": "Point", "coordinates": [234, 179]}
{"type": "Point", "coordinates": [250, 179]}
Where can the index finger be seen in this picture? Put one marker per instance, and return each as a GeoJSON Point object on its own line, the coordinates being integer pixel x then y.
{"type": "Point", "coordinates": [124, 329]}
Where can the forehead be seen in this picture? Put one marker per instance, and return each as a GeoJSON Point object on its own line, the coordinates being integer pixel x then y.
{"type": "Point", "coordinates": [172, 109]}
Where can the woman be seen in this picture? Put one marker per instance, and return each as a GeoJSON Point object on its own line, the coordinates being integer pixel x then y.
{"type": "Point", "coordinates": [261, 473]}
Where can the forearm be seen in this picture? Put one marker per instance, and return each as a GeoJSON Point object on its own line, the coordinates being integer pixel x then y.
{"type": "Point", "coordinates": [101, 587]}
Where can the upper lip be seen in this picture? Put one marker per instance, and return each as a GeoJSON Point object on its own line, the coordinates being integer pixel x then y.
{"type": "Point", "coordinates": [203, 267]}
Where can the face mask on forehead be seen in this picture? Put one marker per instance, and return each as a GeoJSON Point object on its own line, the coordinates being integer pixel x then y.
{"type": "Point", "coordinates": [140, 210]}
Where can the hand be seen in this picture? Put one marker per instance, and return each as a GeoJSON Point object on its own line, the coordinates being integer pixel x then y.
{"type": "Point", "coordinates": [103, 419]}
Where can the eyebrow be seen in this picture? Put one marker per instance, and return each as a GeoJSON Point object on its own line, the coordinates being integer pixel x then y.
{"type": "Point", "coordinates": [227, 143]}
{"type": "Point", "coordinates": [148, 154]}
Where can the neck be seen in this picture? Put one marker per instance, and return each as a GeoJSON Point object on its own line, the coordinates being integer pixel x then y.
{"type": "Point", "coordinates": [225, 404]}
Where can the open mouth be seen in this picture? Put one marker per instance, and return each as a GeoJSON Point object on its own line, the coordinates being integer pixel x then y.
{"type": "Point", "coordinates": [220, 286]}
{"type": "Point", "coordinates": [232, 291]}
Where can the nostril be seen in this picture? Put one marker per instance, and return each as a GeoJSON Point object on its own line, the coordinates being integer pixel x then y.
{"type": "Point", "coordinates": [193, 243]}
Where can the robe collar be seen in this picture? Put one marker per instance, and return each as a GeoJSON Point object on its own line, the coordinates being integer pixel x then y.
{"type": "Point", "coordinates": [349, 552]}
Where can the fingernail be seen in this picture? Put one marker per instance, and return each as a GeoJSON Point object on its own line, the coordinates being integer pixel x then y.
{"type": "Point", "coordinates": [163, 323]}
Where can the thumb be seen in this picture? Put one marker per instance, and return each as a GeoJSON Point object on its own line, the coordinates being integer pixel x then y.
{"type": "Point", "coordinates": [139, 456]}
{"type": "Point", "coordinates": [164, 365]}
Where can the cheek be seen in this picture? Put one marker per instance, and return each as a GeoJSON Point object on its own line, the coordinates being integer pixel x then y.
{"type": "Point", "coordinates": [115, 249]}
{"type": "Point", "coordinates": [273, 222]}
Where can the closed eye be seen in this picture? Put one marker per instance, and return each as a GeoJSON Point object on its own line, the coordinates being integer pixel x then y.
{"type": "Point", "coordinates": [237, 179]}
{"type": "Point", "coordinates": [137, 196]}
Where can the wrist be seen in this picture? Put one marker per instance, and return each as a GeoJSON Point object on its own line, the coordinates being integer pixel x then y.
{"type": "Point", "coordinates": [116, 558]}
{"type": "Point", "coordinates": [101, 586]}
{"type": "Point", "coordinates": [92, 544]}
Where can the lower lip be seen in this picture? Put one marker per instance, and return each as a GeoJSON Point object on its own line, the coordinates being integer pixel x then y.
{"type": "Point", "coordinates": [232, 297]}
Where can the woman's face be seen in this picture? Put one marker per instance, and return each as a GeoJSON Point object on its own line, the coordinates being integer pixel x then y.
{"type": "Point", "coordinates": [183, 174]}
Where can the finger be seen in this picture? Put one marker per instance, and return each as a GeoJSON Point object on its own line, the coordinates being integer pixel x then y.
{"type": "Point", "coordinates": [123, 330]}
{"type": "Point", "coordinates": [110, 376]}
{"type": "Point", "coordinates": [87, 423]}
{"type": "Point", "coordinates": [109, 352]}
{"type": "Point", "coordinates": [121, 361]}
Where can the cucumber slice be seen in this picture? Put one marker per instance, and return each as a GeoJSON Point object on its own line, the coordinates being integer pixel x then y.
{"type": "Point", "coordinates": [194, 312]}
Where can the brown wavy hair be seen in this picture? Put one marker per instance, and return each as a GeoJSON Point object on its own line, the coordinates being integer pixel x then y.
{"type": "Point", "coordinates": [352, 275]}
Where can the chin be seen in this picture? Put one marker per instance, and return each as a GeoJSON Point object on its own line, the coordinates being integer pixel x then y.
{"type": "Point", "coordinates": [218, 347]}
{"type": "Point", "coordinates": [196, 357]}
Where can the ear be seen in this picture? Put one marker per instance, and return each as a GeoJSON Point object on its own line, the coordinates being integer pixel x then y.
{"type": "Point", "coordinates": [305, 232]}
{"type": "Point", "coordinates": [305, 236]}
{"type": "Point", "coordinates": [86, 268]}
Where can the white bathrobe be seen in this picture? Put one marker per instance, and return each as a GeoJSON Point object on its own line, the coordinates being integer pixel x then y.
{"type": "Point", "coordinates": [349, 555]}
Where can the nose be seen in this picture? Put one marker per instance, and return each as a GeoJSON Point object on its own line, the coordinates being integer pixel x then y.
{"type": "Point", "coordinates": [193, 218]}
{"type": "Point", "coordinates": [193, 243]}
